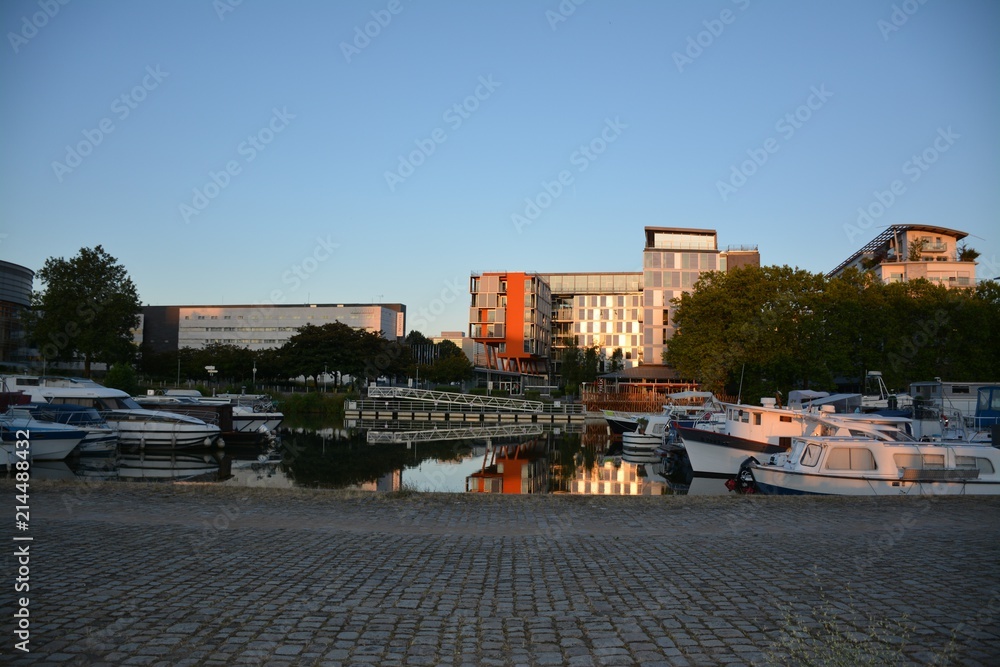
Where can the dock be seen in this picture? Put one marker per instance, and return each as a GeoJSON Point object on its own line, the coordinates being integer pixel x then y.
{"type": "Point", "coordinates": [406, 404]}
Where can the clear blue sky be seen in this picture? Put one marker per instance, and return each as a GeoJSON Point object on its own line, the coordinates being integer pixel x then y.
{"type": "Point", "coordinates": [309, 118]}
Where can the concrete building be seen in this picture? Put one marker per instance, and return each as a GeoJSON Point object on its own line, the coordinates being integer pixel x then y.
{"type": "Point", "coordinates": [15, 298]}
{"type": "Point", "coordinates": [259, 327]}
{"type": "Point", "coordinates": [908, 252]}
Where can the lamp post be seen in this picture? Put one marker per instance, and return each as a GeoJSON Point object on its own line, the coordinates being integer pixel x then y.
{"type": "Point", "coordinates": [255, 376]}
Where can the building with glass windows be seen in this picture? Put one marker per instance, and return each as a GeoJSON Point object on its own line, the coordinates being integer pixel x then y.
{"type": "Point", "coordinates": [597, 309]}
{"type": "Point", "coordinates": [15, 298]}
{"type": "Point", "coordinates": [510, 316]}
{"type": "Point", "coordinates": [609, 310]}
{"type": "Point", "coordinates": [263, 326]}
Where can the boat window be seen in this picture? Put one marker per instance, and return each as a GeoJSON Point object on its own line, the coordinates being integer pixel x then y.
{"type": "Point", "coordinates": [933, 461]}
{"type": "Point", "coordinates": [85, 402]}
{"type": "Point", "coordinates": [810, 456]}
{"type": "Point", "coordinates": [785, 418]}
{"type": "Point", "coordinates": [744, 417]}
{"type": "Point", "coordinates": [959, 389]}
{"type": "Point", "coordinates": [756, 419]}
{"type": "Point", "coordinates": [907, 460]}
{"type": "Point", "coordinates": [984, 465]}
{"type": "Point", "coordinates": [850, 458]}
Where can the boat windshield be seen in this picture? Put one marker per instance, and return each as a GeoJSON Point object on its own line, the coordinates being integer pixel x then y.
{"type": "Point", "coordinates": [123, 403]}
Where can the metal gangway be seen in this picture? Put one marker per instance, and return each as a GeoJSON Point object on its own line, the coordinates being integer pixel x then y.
{"type": "Point", "coordinates": [459, 402]}
{"type": "Point", "coordinates": [465, 433]}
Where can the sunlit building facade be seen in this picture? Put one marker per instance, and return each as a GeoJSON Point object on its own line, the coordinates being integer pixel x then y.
{"type": "Point", "coordinates": [907, 252]}
{"type": "Point", "coordinates": [260, 327]}
{"type": "Point", "coordinates": [510, 316]}
{"type": "Point", "coordinates": [598, 309]}
{"type": "Point", "coordinates": [673, 260]}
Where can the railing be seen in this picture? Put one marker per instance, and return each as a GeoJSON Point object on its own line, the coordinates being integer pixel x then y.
{"type": "Point", "coordinates": [466, 433]}
{"type": "Point", "coordinates": [446, 399]}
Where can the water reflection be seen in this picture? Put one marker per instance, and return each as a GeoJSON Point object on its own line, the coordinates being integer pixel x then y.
{"type": "Point", "coordinates": [583, 460]}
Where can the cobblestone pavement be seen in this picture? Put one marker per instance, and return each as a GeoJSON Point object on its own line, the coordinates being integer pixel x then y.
{"type": "Point", "coordinates": [130, 574]}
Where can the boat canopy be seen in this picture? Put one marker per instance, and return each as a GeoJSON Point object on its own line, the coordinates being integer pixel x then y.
{"type": "Point", "coordinates": [688, 395]}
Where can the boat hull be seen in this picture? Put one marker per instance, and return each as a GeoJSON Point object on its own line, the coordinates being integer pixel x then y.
{"type": "Point", "coordinates": [45, 445]}
{"type": "Point", "coordinates": [720, 454]}
{"type": "Point", "coordinates": [773, 481]}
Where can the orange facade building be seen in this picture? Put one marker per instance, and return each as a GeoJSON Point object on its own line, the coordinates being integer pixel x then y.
{"type": "Point", "coordinates": [510, 316]}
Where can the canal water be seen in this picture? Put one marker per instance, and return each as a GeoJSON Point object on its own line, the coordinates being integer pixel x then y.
{"type": "Point", "coordinates": [581, 459]}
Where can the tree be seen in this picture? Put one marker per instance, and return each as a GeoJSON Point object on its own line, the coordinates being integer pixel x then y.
{"type": "Point", "coordinates": [617, 360]}
{"type": "Point", "coordinates": [89, 309]}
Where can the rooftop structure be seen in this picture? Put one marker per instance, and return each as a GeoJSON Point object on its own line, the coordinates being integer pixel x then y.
{"type": "Point", "coordinates": [15, 298]}
{"type": "Point", "coordinates": [908, 252]}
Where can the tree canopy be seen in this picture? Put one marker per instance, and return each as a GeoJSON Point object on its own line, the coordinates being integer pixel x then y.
{"type": "Point", "coordinates": [89, 308]}
{"type": "Point", "coordinates": [783, 328]}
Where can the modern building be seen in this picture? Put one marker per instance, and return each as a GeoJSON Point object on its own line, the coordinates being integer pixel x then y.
{"type": "Point", "coordinates": [15, 298]}
{"type": "Point", "coordinates": [610, 310]}
{"type": "Point", "coordinates": [259, 327]}
{"type": "Point", "coordinates": [907, 252]}
{"type": "Point", "coordinates": [511, 317]}
{"type": "Point", "coordinates": [673, 260]}
{"type": "Point", "coordinates": [597, 309]}
{"type": "Point", "coordinates": [463, 342]}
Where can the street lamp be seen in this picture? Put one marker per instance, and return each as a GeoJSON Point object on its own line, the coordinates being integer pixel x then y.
{"type": "Point", "coordinates": [255, 376]}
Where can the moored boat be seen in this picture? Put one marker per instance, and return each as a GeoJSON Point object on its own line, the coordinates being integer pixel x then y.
{"type": "Point", "coordinates": [864, 467]}
{"type": "Point", "coordinates": [20, 432]}
{"type": "Point", "coordinates": [762, 430]}
{"type": "Point", "coordinates": [136, 426]}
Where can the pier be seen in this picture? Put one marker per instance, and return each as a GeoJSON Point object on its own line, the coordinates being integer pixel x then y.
{"type": "Point", "coordinates": [406, 404]}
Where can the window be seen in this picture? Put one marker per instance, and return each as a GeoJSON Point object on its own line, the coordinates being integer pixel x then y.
{"type": "Point", "coordinates": [850, 458]}
{"type": "Point", "coordinates": [810, 457]}
{"type": "Point", "coordinates": [756, 419]}
{"type": "Point", "coordinates": [985, 465]}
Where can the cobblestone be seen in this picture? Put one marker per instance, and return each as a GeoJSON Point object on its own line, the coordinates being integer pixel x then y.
{"type": "Point", "coordinates": [129, 576]}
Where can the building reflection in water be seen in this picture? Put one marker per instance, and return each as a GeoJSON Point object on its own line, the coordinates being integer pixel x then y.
{"type": "Point", "coordinates": [518, 468]}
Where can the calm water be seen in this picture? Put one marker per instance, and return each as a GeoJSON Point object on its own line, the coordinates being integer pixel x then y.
{"type": "Point", "coordinates": [581, 460]}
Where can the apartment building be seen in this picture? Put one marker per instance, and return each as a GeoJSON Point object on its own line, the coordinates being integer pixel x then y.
{"type": "Point", "coordinates": [510, 316]}
{"type": "Point", "coordinates": [907, 252]}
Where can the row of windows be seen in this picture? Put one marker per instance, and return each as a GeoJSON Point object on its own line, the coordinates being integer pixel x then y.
{"type": "Point", "coordinates": [861, 458]}
{"type": "Point", "coordinates": [606, 301]}
{"type": "Point", "coordinates": [607, 327]}
{"type": "Point", "coordinates": [679, 260]}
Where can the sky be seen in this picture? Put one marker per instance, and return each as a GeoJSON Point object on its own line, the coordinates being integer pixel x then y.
{"type": "Point", "coordinates": [248, 152]}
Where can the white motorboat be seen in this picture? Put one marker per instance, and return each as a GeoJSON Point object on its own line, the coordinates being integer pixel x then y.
{"type": "Point", "coordinates": [136, 426]}
{"type": "Point", "coordinates": [749, 430]}
{"type": "Point", "coordinates": [40, 441]}
{"type": "Point", "coordinates": [101, 439]}
{"type": "Point", "coordinates": [252, 413]}
{"type": "Point", "coordinates": [854, 466]}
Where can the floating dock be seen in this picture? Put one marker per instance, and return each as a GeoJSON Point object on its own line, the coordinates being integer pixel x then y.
{"type": "Point", "coordinates": [405, 404]}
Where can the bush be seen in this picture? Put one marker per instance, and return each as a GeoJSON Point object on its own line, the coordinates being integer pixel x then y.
{"type": "Point", "coordinates": [123, 377]}
{"type": "Point", "coordinates": [449, 388]}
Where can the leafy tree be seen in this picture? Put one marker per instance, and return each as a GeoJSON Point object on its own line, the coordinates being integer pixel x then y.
{"type": "Point", "coordinates": [571, 365]}
{"type": "Point", "coordinates": [591, 364]}
{"type": "Point", "coordinates": [123, 377]}
{"type": "Point", "coordinates": [89, 309]}
{"type": "Point", "coordinates": [617, 360]}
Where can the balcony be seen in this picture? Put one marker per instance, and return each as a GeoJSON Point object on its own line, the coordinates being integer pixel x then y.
{"type": "Point", "coordinates": [935, 247]}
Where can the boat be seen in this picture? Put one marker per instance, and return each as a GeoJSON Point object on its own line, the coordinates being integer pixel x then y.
{"type": "Point", "coordinates": [851, 466]}
{"type": "Point", "coordinates": [719, 448]}
{"type": "Point", "coordinates": [251, 413]}
{"type": "Point", "coordinates": [101, 439]}
{"type": "Point", "coordinates": [684, 407]}
{"type": "Point", "coordinates": [45, 441]}
{"type": "Point", "coordinates": [137, 427]}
